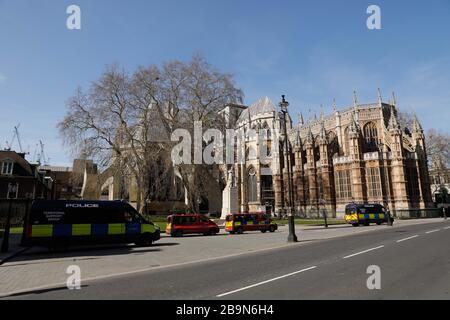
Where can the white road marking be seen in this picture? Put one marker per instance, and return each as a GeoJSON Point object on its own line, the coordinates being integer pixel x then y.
{"type": "Point", "coordinates": [433, 231]}
{"type": "Point", "coordinates": [446, 228]}
{"type": "Point", "coordinates": [365, 251]}
{"type": "Point", "coordinates": [398, 241]}
{"type": "Point", "coordinates": [126, 273]}
{"type": "Point", "coordinates": [264, 282]}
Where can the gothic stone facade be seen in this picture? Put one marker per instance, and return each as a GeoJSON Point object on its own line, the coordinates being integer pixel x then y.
{"type": "Point", "coordinates": [359, 154]}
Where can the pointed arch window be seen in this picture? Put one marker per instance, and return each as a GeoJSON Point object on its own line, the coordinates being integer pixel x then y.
{"type": "Point", "coordinates": [267, 132]}
{"type": "Point", "coordinates": [371, 137]}
{"type": "Point", "coordinates": [346, 141]}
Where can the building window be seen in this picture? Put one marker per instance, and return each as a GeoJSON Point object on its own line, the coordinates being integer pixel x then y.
{"type": "Point", "coordinates": [373, 182]}
{"type": "Point", "coordinates": [252, 187]}
{"type": "Point", "coordinates": [371, 137]}
{"type": "Point", "coordinates": [7, 167]}
{"type": "Point", "coordinates": [343, 184]}
{"type": "Point", "coordinates": [413, 183]}
{"type": "Point", "coordinates": [346, 142]}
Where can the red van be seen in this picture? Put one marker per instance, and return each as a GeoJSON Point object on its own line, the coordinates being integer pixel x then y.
{"type": "Point", "coordinates": [238, 223]}
{"type": "Point", "coordinates": [180, 224]}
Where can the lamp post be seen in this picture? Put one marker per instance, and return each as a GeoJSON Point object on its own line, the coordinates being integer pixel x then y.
{"type": "Point", "coordinates": [12, 189]}
{"type": "Point", "coordinates": [284, 109]}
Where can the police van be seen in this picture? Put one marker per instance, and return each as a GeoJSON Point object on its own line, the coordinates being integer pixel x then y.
{"type": "Point", "coordinates": [59, 224]}
{"type": "Point", "coordinates": [364, 214]}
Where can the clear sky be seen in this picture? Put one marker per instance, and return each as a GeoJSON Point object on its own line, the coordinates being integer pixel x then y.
{"type": "Point", "coordinates": [312, 51]}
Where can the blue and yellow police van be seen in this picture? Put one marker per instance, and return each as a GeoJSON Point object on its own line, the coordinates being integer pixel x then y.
{"type": "Point", "coordinates": [365, 214]}
{"type": "Point", "coordinates": [59, 224]}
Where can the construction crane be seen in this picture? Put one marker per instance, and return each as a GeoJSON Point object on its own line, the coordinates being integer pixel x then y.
{"type": "Point", "coordinates": [40, 155]}
{"type": "Point", "coordinates": [15, 136]}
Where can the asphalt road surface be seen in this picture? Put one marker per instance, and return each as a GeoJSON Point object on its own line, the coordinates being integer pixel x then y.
{"type": "Point", "coordinates": [414, 263]}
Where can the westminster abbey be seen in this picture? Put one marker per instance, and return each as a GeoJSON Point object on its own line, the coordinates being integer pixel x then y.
{"type": "Point", "coordinates": [356, 154]}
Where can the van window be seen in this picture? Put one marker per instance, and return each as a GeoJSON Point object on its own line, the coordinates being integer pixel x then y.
{"type": "Point", "coordinates": [178, 220]}
{"type": "Point", "coordinates": [250, 217]}
{"type": "Point", "coordinates": [184, 220]}
{"type": "Point", "coordinates": [191, 220]}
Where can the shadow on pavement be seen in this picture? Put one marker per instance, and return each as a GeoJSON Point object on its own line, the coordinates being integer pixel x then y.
{"type": "Point", "coordinates": [26, 293]}
{"type": "Point", "coordinates": [338, 226]}
{"type": "Point", "coordinates": [87, 252]}
{"type": "Point", "coordinates": [195, 236]}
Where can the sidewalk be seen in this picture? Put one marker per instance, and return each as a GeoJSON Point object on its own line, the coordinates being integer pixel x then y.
{"type": "Point", "coordinates": [38, 269]}
{"type": "Point", "coordinates": [14, 248]}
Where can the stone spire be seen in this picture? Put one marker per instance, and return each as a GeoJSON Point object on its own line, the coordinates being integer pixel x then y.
{"type": "Point", "coordinates": [309, 136]}
{"type": "Point", "coordinates": [394, 99]}
{"type": "Point", "coordinates": [323, 132]}
{"type": "Point", "coordinates": [298, 140]}
{"type": "Point", "coordinates": [417, 127]}
{"type": "Point", "coordinates": [380, 98]}
{"type": "Point", "coordinates": [354, 127]}
{"type": "Point", "coordinates": [334, 105]}
{"type": "Point", "coordinates": [393, 123]}
{"type": "Point", "coordinates": [301, 121]}
{"type": "Point", "coordinates": [355, 106]}
{"type": "Point", "coordinates": [322, 115]}
{"type": "Point", "coordinates": [355, 100]}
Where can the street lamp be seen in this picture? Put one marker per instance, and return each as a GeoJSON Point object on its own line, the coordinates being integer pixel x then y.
{"type": "Point", "coordinates": [284, 109]}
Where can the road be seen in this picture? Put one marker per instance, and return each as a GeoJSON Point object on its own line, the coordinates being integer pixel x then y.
{"type": "Point", "coordinates": [414, 261]}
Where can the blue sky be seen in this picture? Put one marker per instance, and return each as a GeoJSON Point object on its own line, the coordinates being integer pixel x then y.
{"type": "Point", "coordinates": [312, 51]}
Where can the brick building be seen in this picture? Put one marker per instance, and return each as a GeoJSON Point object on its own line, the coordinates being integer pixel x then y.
{"type": "Point", "coordinates": [16, 170]}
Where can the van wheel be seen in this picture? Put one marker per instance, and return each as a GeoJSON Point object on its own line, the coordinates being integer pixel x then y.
{"type": "Point", "coordinates": [146, 240]}
{"type": "Point", "coordinates": [59, 245]}
{"type": "Point", "coordinates": [178, 233]}
{"type": "Point", "coordinates": [272, 229]}
{"type": "Point", "coordinates": [212, 232]}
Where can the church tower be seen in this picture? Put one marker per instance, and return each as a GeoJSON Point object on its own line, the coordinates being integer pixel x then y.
{"type": "Point", "coordinates": [399, 186]}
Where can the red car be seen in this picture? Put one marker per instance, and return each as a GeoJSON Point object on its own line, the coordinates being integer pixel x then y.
{"type": "Point", "coordinates": [180, 224]}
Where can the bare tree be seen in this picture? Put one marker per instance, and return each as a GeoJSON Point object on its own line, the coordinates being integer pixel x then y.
{"type": "Point", "coordinates": [111, 123]}
{"type": "Point", "coordinates": [438, 151]}
{"type": "Point", "coordinates": [438, 146]}
{"type": "Point", "coordinates": [125, 121]}
{"type": "Point", "coordinates": [186, 93]}
{"type": "Point", "coordinates": [406, 119]}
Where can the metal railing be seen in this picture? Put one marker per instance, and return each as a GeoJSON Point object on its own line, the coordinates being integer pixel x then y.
{"type": "Point", "coordinates": [418, 213]}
